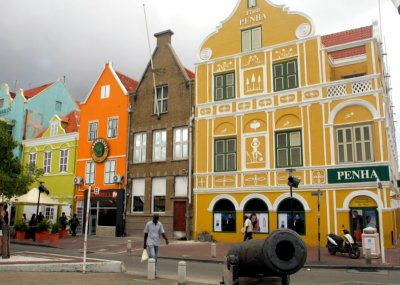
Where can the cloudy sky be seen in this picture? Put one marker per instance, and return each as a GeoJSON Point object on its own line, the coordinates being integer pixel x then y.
{"type": "Point", "coordinates": [43, 40]}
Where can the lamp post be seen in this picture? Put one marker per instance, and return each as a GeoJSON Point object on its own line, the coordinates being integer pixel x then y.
{"type": "Point", "coordinates": [41, 189]}
{"type": "Point", "coordinates": [381, 236]}
{"type": "Point", "coordinates": [292, 182]}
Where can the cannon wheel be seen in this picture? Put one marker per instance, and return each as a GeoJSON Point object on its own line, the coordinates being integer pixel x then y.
{"type": "Point", "coordinates": [285, 279]}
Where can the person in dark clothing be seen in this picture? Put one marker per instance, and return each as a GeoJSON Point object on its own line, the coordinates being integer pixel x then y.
{"type": "Point", "coordinates": [298, 224]}
{"type": "Point", "coordinates": [31, 229]}
{"type": "Point", "coordinates": [358, 225]}
{"type": "Point", "coordinates": [229, 224]}
{"type": "Point", "coordinates": [40, 217]}
{"type": "Point", "coordinates": [74, 222]}
{"type": "Point", "coordinates": [6, 218]}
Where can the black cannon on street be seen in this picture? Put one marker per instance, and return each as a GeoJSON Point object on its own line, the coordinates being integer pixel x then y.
{"type": "Point", "coordinates": [281, 254]}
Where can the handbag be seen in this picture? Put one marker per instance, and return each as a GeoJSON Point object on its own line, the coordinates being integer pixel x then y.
{"type": "Point", "coordinates": [145, 255]}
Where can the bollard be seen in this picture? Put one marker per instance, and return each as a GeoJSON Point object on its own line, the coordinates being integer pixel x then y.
{"type": "Point", "coordinates": [368, 255]}
{"type": "Point", "coordinates": [181, 272]}
{"type": "Point", "coordinates": [129, 247]}
{"type": "Point", "coordinates": [151, 269]}
{"type": "Point", "coordinates": [213, 249]}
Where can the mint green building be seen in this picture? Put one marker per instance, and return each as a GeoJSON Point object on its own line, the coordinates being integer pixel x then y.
{"type": "Point", "coordinates": [55, 152]}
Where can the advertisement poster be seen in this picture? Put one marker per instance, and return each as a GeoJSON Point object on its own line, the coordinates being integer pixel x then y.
{"type": "Point", "coordinates": [217, 222]}
{"type": "Point", "coordinates": [259, 221]}
{"type": "Point", "coordinates": [283, 221]}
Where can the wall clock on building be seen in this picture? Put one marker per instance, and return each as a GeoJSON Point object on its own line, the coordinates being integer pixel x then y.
{"type": "Point", "coordinates": [99, 150]}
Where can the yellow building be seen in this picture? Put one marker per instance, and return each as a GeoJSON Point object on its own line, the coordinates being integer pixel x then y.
{"type": "Point", "coordinates": [275, 101]}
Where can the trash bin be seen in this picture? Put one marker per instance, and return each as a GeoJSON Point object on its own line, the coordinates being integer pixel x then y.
{"type": "Point", "coordinates": [370, 240]}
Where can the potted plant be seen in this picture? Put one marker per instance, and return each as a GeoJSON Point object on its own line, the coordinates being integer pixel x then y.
{"type": "Point", "coordinates": [42, 230]}
{"type": "Point", "coordinates": [63, 221]}
{"type": "Point", "coordinates": [55, 233]}
{"type": "Point", "coordinates": [20, 228]}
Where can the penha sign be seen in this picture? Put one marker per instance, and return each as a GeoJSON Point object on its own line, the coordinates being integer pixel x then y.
{"type": "Point", "coordinates": [358, 174]}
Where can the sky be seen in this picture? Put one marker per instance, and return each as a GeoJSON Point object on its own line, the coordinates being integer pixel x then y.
{"type": "Point", "coordinates": [43, 40]}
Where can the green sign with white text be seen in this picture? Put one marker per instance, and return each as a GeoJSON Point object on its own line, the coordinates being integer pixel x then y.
{"type": "Point", "coordinates": [358, 174]}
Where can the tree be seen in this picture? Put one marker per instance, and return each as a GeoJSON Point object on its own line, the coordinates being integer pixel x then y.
{"type": "Point", "coordinates": [14, 178]}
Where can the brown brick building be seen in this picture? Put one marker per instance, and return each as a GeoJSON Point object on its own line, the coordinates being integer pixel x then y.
{"type": "Point", "coordinates": [159, 148]}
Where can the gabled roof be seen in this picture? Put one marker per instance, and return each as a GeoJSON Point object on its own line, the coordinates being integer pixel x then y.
{"type": "Point", "coordinates": [189, 73]}
{"type": "Point", "coordinates": [129, 83]}
{"type": "Point", "coordinates": [347, 36]}
{"type": "Point", "coordinates": [348, 52]}
{"type": "Point", "coordinates": [72, 120]}
{"type": "Point", "coordinates": [34, 91]}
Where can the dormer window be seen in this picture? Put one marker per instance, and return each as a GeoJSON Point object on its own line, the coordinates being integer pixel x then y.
{"type": "Point", "coordinates": [53, 129]}
{"type": "Point", "coordinates": [105, 91]}
{"type": "Point", "coordinates": [251, 3]}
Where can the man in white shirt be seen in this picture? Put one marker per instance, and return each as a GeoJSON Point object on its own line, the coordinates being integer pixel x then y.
{"type": "Point", "coordinates": [152, 234]}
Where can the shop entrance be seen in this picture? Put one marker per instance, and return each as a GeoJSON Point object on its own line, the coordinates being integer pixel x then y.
{"type": "Point", "coordinates": [363, 214]}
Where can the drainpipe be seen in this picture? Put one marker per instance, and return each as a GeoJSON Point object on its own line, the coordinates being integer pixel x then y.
{"type": "Point", "coordinates": [130, 111]}
{"type": "Point", "coordinates": [190, 167]}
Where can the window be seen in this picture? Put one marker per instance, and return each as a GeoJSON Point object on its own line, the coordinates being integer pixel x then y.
{"type": "Point", "coordinates": [162, 100]}
{"type": "Point", "coordinates": [47, 162]}
{"type": "Point", "coordinates": [159, 186]}
{"type": "Point", "coordinates": [225, 155]}
{"type": "Point", "coordinates": [180, 143]}
{"type": "Point", "coordinates": [160, 145]}
{"type": "Point", "coordinates": [138, 186]}
{"type": "Point", "coordinates": [257, 211]}
{"type": "Point", "coordinates": [287, 210]}
{"type": "Point", "coordinates": [89, 173]}
{"type": "Point", "coordinates": [140, 147]}
{"type": "Point", "coordinates": [64, 160]}
{"type": "Point", "coordinates": [354, 144]}
{"type": "Point", "coordinates": [224, 216]}
{"type": "Point", "coordinates": [1, 103]}
{"type": "Point", "coordinates": [53, 129]}
{"type": "Point", "coordinates": [49, 213]}
{"type": "Point", "coordinates": [285, 75]}
{"type": "Point", "coordinates": [251, 3]}
{"type": "Point", "coordinates": [32, 162]}
{"type": "Point", "coordinates": [112, 131]}
{"type": "Point", "coordinates": [105, 91]}
{"type": "Point", "coordinates": [251, 39]}
{"type": "Point", "coordinates": [224, 86]}
{"type": "Point", "coordinates": [58, 106]}
{"type": "Point", "coordinates": [288, 149]}
{"type": "Point", "coordinates": [181, 186]}
{"type": "Point", "coordinates": [109, 172]}
{"type": "Point", "coordinates": [93, 130]}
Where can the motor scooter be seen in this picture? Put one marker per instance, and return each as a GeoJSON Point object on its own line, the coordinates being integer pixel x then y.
{"type": "Point", "coordinates": [335, 244]}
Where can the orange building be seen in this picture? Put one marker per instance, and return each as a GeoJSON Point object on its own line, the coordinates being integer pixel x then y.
{"type": "Point", "coordinates": [101, 162]}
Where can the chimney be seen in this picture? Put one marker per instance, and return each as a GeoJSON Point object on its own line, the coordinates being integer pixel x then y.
{"type": "Point", "coordinates": [164, 38]}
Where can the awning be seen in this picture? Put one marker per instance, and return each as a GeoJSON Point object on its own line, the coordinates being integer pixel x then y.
{"type": "Point", "coordinates": [31, 198]}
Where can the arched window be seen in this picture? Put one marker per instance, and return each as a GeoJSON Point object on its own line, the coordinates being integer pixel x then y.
{"type": "Point", "coordinates": [286, 210]}
{"type": "Point", "coordinates": [257, 211]}
{"type": "Point", "coordinates": [224, 216]}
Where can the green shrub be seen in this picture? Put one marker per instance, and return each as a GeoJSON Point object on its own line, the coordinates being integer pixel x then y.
{"type": "Point", "coordinates": [55, 228]}
{"type": "Point", "coordinates": [20, 226]}
{"type": "Point", "coordinates": [43, 226]}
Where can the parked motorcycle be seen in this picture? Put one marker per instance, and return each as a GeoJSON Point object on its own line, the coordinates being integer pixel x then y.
{"type": "Point", "coordinates": [343, 244]}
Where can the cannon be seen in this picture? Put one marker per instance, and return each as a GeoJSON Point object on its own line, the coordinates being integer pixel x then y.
{"type": "Point", "coordinates": [281, 254]}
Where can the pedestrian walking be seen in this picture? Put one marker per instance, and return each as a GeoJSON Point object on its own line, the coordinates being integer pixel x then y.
{"type": "Point", "coordinates": [248, 228]}
{"type": "Point", "coordinates": [74, 222]}
{"type": "Point", "coordinates": [31, 228]}
{"type": "Point", "coordinates": [152, 235]}
{"type": "Point", "coordinates": [5, 234]}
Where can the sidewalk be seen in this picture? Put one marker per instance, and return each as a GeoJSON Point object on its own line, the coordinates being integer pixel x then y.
{"type": "Point", "coordinates": [201, 251]}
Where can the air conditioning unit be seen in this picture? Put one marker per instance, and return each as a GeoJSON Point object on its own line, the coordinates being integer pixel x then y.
{"type": "Point", "coordinates": [78, 180]}
{"type": "Point", "coordinates": [118, 178]}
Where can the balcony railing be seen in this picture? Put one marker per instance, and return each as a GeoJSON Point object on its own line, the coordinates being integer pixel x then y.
{"type": "Point", "coordinates": [353, 87]}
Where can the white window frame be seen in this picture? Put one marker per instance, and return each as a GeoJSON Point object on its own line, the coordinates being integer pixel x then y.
{"type": "Point", "coordinates": [353, 144]}
{"type": "Point", "coordinates": [160, 147]}
{"type": "Point", "coordinates": [64, 155]}
{"type": "Point", "coordinates": [158, 189]}
{"type": "Point", "coordinates": [105, 91]}
{"type": "Point", "coordinates": [91, 131]}
{"type": "Point", "coordinates": [47, 162]}
{"type": "Point", "coordinates": [112, 127]}
{"type": "Point", "coordinates": [181, 145]}
{"type": "Point", "coordinates": [53, 129]}
{"type": "Point", "coordinates": [49, 213]}
{"type": "Point", "coordinates": [251, 39]}
{"type": "Point", "coordinates": [32, 158]}
{"type": "Point", "coordinates": [90, 172]}
{"type": "Point", "coordinates": [162, 97]}
{"type": "Point", "coordinates": [139, 148]}
{"type": "Point", "coordinates": [109, 171]}
{"type": "Point", "coordinates": [138, 189]}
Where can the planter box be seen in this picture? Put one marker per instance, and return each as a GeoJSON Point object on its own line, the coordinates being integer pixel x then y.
{"type": "Point", "coordinates": [41, 236]}
{"type": "Point", "coordinates": [63, 233]}
{"type": "Point", "coordinates": [20, 235]}
{"type": "Point", "coordinates": [54, 238]}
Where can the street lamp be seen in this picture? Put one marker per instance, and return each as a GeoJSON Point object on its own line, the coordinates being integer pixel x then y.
{"type": "Point", "coordinates": [41, 189]}
{"type": "Point", "coordinates": [292, 182]}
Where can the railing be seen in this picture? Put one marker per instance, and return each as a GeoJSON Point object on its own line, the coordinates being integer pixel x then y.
{"type": "Point", "coordinates": [356, 87]}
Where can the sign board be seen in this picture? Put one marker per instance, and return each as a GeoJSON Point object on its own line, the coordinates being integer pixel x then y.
{"type": "Point", "coordinates": [358, 174]}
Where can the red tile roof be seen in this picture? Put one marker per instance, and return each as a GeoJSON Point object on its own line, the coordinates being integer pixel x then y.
{"type": "Point", "coordinates": [129, 83]}
{"type": "Point", "coordinates": [34, 91]}
{"type": "Point", "coordinates": [72, 120]}
{"type": "Point", "coordinates": [12, 94]}
{"type": "Point", "coordinates": [190, 73]}
{"type": "Point", "coordinates": [348, 52]}
{"type": "Point", "coordinates": [347, 36]}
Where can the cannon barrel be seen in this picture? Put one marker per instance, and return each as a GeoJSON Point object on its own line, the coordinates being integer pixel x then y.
{"type": "Point", "coordinates": [281, 254]}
